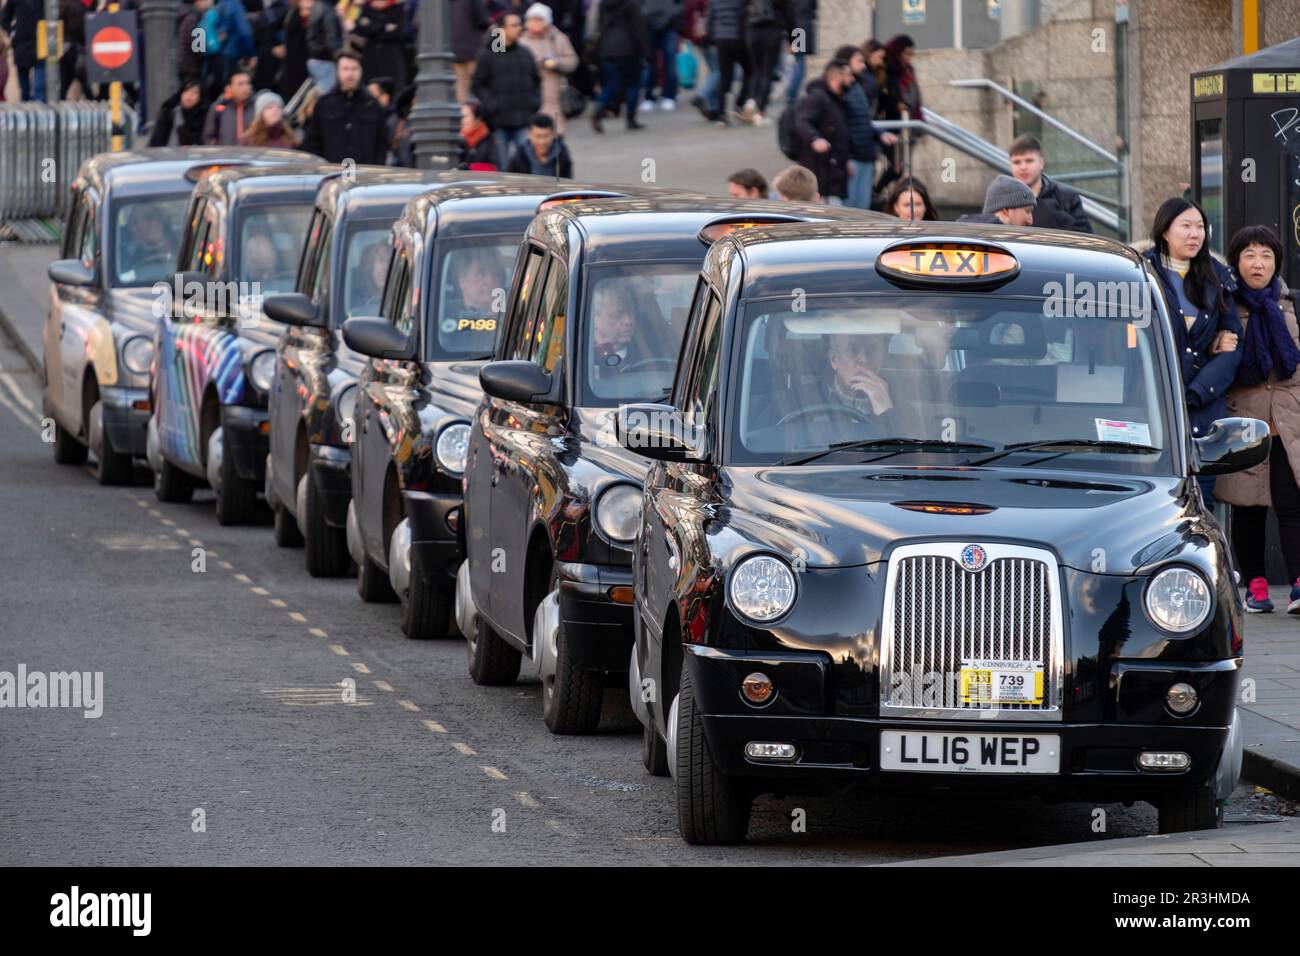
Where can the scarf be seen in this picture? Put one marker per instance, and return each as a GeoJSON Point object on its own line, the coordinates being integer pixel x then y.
{"type": "Point", "coordinates": [1269, 348]}
{"type": "Point", "coordinates": [473, 135]}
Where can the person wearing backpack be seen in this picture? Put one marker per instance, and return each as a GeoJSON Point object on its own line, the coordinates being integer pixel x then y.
{"type": "Point", "coordinates": [865, 139]}
{"type": "Point", "coordinates": [823, 130]}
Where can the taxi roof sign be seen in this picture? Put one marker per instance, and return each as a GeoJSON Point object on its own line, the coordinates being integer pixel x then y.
{"type": "Point", "coordinates": [195, 173]}
{"type": "Point", "coordinates": [940, 263]}
{"type": "Point", "coordinates": [577, 195]}
{"type": "Point", "coordinates": [715, 229]}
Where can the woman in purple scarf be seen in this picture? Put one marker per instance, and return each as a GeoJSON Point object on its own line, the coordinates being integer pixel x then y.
{"type": "Point", "coordinates": [1268, 388]}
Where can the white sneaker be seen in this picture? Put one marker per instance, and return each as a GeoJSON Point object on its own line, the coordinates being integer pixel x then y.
{"type": "Point", "coordinates": [759, 120]}
{"type": "Point", "coordinates": [668, 105]}
{"type": "Point", "coordinates": [647, 106]}
{"type": "Point", "coordinates": [748, 110]}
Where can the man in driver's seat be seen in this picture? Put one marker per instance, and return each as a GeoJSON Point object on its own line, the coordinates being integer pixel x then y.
{"type": "Point", "coordinates": [613, 349]}
{"type": "Point", "coordinates": [855, 381]}
{"type": "Point", "coordinates": [148, 250]}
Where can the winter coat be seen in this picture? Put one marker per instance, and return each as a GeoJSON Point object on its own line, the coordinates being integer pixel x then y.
{"type": "Point", "coordinates": [805, 18]}
{"type": "Point", "coordinates": [19, 20]}
{"type": "Point", "coordinates": [384, 33]}
{"type": "Point", "coordinates": [622, 29]}
{"type": "Point", "coordinates": [725, 22]}
{"type": "Point", "coordinates": [482, 151]}
{"type": "Point", "coordinates": [1059, 207]}
{"type": "Point", "coordinates": [558, 163]}
{"type": "Point", "coordinates": [1206, 377]}
{"type": "Point", "coordinates": [988, 218]}
{"type": "Point", "coordinates": [508, 86]}
{"type": "Point", "coordinates": [347, 126]}
{"type": "Point", "coordinates": [186, 124]}
{"type": "Point", "coordinates": [293, 70]}
{"type": "Point", "coordinates": [767, 13]}
{"type": "Point", "coordinates": [864, 138]}
{"type": "Point", "coordinates": [232, 22]}
{"type": "Point", "coordinates": [188, 63]}
{"type": "Point", "coordinates": [469, 20]}
{"type": "Point", "coordinates": [1275, 402]}
{"type": "Point", "coordinates": [268, 32]}
{"type": "Point", "coordinates": [820, 115]}
{"type": "Point", "coordinates": [320, 34]}
{"type": "Point", "coordinates": [223, 127]}
{"type": "Point", "coordinates": [552, 45]}
{"type": "Point", "coordinates": [662, 14]}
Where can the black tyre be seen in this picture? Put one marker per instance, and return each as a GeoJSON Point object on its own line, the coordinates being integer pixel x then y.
{"type": "Point", "coordinates": [372, 584]}
{"type": "Point", "coordinates": [286, 531]}
{"type": "Point", "coordinates": [492, 662]}
{"type": "Point", "coordinates": [571, 698]}
{"type": "Point", "coordinates": [172, 485]}
{"type": "Point", "coordinates": [111, 467]}
{"type": "Point", "coordinates": [1195, 807]}
{"type": "Point", "coordinates": [426, 606]}
{"type": "Point", "coordinates": [712, 808]}
{"type": "Point", "coordinates": [654, 749]}
{"type": "Point", "coordinates": [326, 547]}
{"type": "Point", "coordinates": [236, 498]}
{"type": "Point", "coordinates": [67, 450]}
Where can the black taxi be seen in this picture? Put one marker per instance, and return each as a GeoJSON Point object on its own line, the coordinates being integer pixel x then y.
{"type": "Point", "coordinates": [341, 274]}
{"type": "Point", "coordinates": [120, 239]}
{"type": "Point", "coordinates": [595, 318]}
{"type": "Point", "coordinates": [453, 249]}
{"type": "Point", "coordinates": [930, 522]}
{"type": "Point", "coordinates": [214, 355]}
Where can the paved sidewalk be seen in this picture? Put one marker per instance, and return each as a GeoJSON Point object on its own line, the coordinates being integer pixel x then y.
{"type": "Point", "coordinates": [1272, 718]}
{"type": "Point", "coordinates": [24, 286]}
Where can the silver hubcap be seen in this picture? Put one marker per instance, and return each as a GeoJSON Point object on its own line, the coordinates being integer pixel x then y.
{"type": "Point", "coordinates": [214, 459]}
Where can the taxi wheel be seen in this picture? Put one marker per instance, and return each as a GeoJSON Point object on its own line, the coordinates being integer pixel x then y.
{"type": "Point", "coordinates": [1191, 808]}
{"type": "Point", "coordinates": [654, 749]}
{"type": "Point", "coordinates": [492, 662]}
{"type": "Point", "coordinates": [172, 485]}
{"type": "Point", "coordinates": [287, 534]}
{"type": "Point", "coordinates": [67, 450]}
{"type": "Point", "coordinates": [326, 547]}
{"type": "Point", "coordinates": [372, 583]}
{"type": "Point", "coordinates": [111, 467]}
{"type": "Point", "coordinates": [712, 808]}
{"type": "Point", "coordinates": [571, 697]}
{"type": "Point", "coordinates": [236, 498]}
{"type": "Point", "coordinates": [426, 606]}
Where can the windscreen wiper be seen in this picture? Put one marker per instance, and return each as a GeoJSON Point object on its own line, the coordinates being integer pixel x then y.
{"type": "Point", "coordinates": [1092, 444]}
{"type": "Point", "coordinates": [900, 445]}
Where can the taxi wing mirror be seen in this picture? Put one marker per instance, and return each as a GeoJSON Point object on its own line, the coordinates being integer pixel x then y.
{"type": "Point", "coordinates": [378, 338]}
{"type": "Point", "coordinates": [515, 381]}
{"type": "Point", "coordinates": [1233, 444]}
{"type": "Point", "coordinates": [293, 308]}
{"type": "Point", "coordinates": [72, 272]}
{"type": "Point", "coordinates": [658, 432]}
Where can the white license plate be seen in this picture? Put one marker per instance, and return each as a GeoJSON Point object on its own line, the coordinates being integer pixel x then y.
{"type": "Point", "coordinates": [969, 752]}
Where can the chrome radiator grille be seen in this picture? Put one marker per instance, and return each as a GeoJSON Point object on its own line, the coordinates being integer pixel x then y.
{"type": "Point", "coordinates": [938, 614]}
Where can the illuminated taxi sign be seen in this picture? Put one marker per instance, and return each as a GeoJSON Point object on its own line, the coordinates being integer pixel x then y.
{"type": "Point", "coordinates": [947, 263]}
{"type": "Point", "coordinates": [717, 228]}
{"type": "Point", "coordinates": [577, 195]}
{"type": "Point", "coordinates": [195, 173]}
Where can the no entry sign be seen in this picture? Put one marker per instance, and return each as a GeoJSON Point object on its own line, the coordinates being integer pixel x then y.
{"type": "Point", "coordinates": [111, 43]}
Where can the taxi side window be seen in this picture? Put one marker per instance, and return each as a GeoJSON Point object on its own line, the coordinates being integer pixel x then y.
{"type": "Point", "coordinates": [320, 284]}
{"type": "Point", "coordinates": [397, 291]}
{"type": "Point", "coordinates": [192, 230]}
{"type": "Point", "coordinates": [201, 239]}
{"type": "Point", "coordinates": [522, 318]}
{"type": "Point", "coordinates": [88, 247]}
{"type": "Point", "coordinates": [704, 384]}
{"type": "Point", "coordinates": [552, 316]}
{"type": "Point", "coordinates": [76, 223]}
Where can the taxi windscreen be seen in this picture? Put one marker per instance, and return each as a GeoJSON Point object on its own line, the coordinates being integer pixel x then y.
{"type": "Point", "coordinates": [271, 239]}
{"type": "Point", "coordinates": [949, 379]}
{"type": "Point", "coordinates": [366, 251]}
{"type": "Point", "coordinates": [471, 282]}
{"type": "Point", "coordinates": [146, 235]}
{"type": "Point", "coordinates": [632, 330]}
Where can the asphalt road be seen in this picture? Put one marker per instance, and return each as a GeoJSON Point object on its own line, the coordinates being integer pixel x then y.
{"type": "Point", "coordinates": [222, 694]}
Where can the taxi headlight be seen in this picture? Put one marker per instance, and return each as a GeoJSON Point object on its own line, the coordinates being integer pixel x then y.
{"type": "Point", "coordinates": [345, 406]}
{"type": "Point", "coordinates": [452, 447]}
{"type": "Point", "coordinates": [762, 588]}
{"type": "Point", "coordinates": [618, 512]}
{"type": "Point", "coordinates": [137, 353]}
{"type": "Point", "coordinates": [1178, 599]}
{"type": "Point", "coordinates": [261, 370]}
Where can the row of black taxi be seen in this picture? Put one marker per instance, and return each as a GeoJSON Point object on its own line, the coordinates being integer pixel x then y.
{"type": "Point", "coordinates": [843, 502]}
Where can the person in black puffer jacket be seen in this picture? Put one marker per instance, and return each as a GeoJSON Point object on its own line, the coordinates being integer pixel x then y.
{"type": "Point", "coordinates": [507, 85]}
{"type": "Point", "coordinates": [724, 25]}
{"type": "Point", "coordinates": [865, 140]}
{"type": "Point", "coordinates": [348, 123]}
{"type": "Point", "coordinates": [624, 45]}
{"type": "Point", "coordinates": [180, 120]}
{"type": "Point", "coordinates": [823, 129]}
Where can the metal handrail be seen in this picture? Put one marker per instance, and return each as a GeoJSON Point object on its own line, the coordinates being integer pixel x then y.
{"type": "Point", "coordinates": [1045, 117]}
{"type": "Point", "coordinates": [981, 149]}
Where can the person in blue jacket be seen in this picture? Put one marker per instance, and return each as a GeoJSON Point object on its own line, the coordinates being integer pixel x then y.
{"type": "Point", "coordinates": [1198, 294]}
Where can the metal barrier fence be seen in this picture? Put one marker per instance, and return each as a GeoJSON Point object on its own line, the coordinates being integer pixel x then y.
{"type": "Point", "coordinates": [42, 147]}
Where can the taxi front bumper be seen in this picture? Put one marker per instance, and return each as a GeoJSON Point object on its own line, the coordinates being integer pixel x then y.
{"type": "Point", "coordinates": [246, 439]}
{"type": "Point", "coordinates": [598, 627]}
{"type": "Point", "coordinates": [126, 418]}
{"type": "Point", "coordinates": [331, 472]}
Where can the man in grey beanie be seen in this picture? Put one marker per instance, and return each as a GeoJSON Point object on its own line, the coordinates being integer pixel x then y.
{"type": "Point", "coordinates": [1008, 202]}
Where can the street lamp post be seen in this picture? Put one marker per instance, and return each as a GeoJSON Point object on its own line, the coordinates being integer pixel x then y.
{"type": "Point", "coordinates": [435, 117]}
{"type": "Point", "coordinates": [158, 24]}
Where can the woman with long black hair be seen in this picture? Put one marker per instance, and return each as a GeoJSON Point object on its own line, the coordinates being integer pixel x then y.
{"type": "Point", "coordinates": [900, 92]}
{"type": "Point", "coordinates": [1198, 294]}
{"type": "Point", "coordinates": [1267, 388]}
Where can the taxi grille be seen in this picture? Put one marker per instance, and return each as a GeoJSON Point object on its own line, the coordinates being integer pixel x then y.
{"type": "Point", "coordinates": [943, 614]}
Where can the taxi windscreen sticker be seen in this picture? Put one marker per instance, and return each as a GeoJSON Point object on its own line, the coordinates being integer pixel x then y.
{"type": "Point", "coordinates": [1134, 433]}
{"type": "Point", "coordinates": [947, 262]}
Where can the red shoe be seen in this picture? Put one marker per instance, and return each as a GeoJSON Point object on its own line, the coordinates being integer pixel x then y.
{"type": "Point", "coordinates": [1257, 600]}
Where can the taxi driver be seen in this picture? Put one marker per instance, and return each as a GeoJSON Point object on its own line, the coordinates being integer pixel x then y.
{"type": "Point", "coordinates": [149, 246]}
{"type": "Point", "coordinates": [855, 382]}
{"type": "Point", "coordinates": [478, 281]}
{"type": "Point", "coordinates": [261, 261]}
{"type": "Point", "coordinates": [615, 322]}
